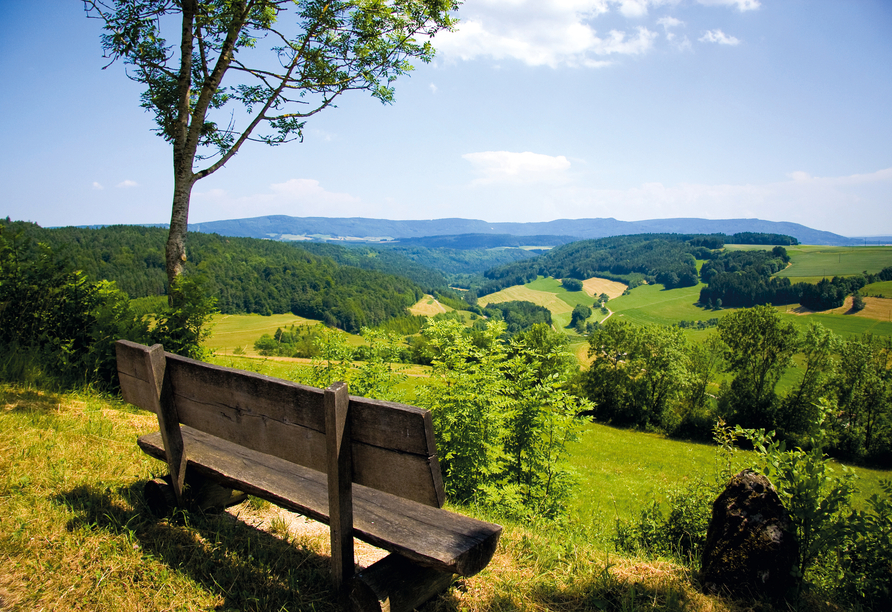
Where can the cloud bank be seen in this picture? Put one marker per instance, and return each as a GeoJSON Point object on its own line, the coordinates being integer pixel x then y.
{"type": "Point", "coordinates": [557, 34]}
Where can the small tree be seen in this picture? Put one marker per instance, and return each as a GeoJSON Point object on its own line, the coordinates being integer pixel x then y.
{"type": "Point", "coordinates": [857, 302]}
{"type": "Point", "coordinates": [571, 284]}
{"type": "Point", "coordinates": [192, 88]}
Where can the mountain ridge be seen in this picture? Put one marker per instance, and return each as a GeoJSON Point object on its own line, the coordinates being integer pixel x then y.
{"type": "Point", "coordinates": [361, 229]}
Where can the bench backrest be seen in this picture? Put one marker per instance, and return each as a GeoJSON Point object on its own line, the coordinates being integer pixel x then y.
{"type": "Point", "coordinates": [393, 444]}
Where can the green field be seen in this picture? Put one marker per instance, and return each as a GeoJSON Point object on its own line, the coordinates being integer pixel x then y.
{"type": "Point", "coordinates": [844, 325]}
{"type": "Point", "coordinates": [649, 304]}
{"type": "Point", "coordinates": [241, 331]}
{"type": "Point", "coordinates": [620, 471]}
{"type": "Point", "coordinates": [808, 262]}
{"type": "Point", "coordinates": [883, 288]}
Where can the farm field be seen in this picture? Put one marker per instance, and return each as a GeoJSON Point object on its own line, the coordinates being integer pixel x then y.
{"type": "Point", "coordinates": [428, 306]}
{"type": "Point", "coordinates": [816, 262]}
{"type": "Point", "coordinates": [620, 471]}
{"type": "Point", "coordinates": [241, 331]}
{"type": "Point", "coordinates": [649, 304]}
{"type": "Point", "coordinates": [843, 324]}
{"type": "Point", "coordinates": [880, 288]}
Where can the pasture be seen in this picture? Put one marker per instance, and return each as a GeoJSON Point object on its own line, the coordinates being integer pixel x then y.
{"type": "Point", "coordinates": [428, 306]}
{"type": "Point", "coordinates": [231, 332]}
{"type": "Point", "coordinates": [621, 471]}
{"type": "Point", "coordinates": [881, 288]}
{"type": "Point", "coordinates": [648, 304]}
{"type": "Point", "coordinates": [816, 262]}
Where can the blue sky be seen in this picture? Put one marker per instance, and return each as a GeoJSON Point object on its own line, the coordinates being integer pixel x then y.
{"type": "Point", "coordinates": [533, 110]}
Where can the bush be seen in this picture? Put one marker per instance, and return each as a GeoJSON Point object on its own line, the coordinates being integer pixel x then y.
{"type": "Point", "coordinates": [571, 284]}
{"type": "Point", "coordinates": [866, 559]}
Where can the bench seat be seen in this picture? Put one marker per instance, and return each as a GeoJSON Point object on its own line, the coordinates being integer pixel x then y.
{"type": "Point", "coordinates": [429, 536]}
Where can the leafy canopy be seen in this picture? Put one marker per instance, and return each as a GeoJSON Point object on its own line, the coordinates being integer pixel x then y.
{"type": "Point", "coordinates": [315, 50]}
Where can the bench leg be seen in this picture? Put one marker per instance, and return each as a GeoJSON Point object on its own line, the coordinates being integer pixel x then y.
{"type": "Point", "coordinates": [395, 584]}
{"type": "Point", "coordinates": [203, 494]}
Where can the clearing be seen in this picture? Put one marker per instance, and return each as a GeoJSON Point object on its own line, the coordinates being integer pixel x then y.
{"type": "Point", "coordinates": [596, 286]}
{"type": "Point", "coordinates": [428, 306]}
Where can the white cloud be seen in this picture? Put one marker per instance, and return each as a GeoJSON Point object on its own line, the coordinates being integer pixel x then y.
{"type": "Point", "coordinates": [544, 33]}
{"type": "Point", "coordinates": [669, 22]}
{"type": "Point", "coordinates": [309, 190]}
{"type": "Point", "coordinates": [296, 197]}
{"type": "Point", "coordinates": [816, 202]}
{"type": "Point", "coordinates": [717, 36]}
{"type": "Point", "coordinates": [741, 5]}
{"type": "Point", "coordinates": [433, 88]}
{"type": "Point", "coordinates": [558, 33]}
{"type": "Point", "coordinates": [127, 184]}
{"type": "Point", "coordinates": [508, 167]}
{"type": "Point", "coordinates": [97, 186]}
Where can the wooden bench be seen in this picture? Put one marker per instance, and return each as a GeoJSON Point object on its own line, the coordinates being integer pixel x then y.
{"type": "Point", "coordinates": [367, 468]}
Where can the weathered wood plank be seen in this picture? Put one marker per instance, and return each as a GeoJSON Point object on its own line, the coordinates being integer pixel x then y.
{"type": "Point", "coordinates": [426, 535]}
{"type": "Point", "coordinates": [395, 584]}
{"type": "Point", "coordinates": [340, 484]}
{"type": "Point", "coordinates": [393, 444]}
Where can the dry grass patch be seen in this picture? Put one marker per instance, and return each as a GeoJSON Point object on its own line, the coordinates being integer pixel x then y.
{"type": "Point", "coordinates": [428, 306]}
{"type": "Point", "coordinates": [596, 286]}
{"type": "Point", "coordinates": [879, 309]}
{"type": "Point", "coordinates": [521, 293]}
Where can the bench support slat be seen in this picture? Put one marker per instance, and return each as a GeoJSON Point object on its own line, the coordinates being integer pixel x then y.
{"type": "Point", "coordinates": [340, 480]}
{"type": "Point", "coordinates": [168, 419]}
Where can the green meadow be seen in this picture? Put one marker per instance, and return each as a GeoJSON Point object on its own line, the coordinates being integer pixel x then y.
{"type": "Point", "coordinates": [844, 324]}
{"type": "Point", "coordinates": [881, 288]}
{"type": "Point", "coordinates": [816, 262]}
{"type": "Point", "coordinates": [621, 471]}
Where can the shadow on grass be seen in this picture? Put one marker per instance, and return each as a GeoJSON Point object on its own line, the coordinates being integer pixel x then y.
{"type": "Point", "coordinates": [603, 591]}
{"type": "Point", "coordinates": [28, 399]}
{"type": "Point", "coordinates": [245, 566]}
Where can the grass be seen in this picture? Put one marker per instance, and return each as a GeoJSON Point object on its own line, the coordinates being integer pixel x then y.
{"type": "Point", "coordinates": [880, 288]}
{"type": "Point", "coordinates": [241, 331]}
{"type": "Point", "coordinates": [809, 262]}
{"type": "Point", "coordinates": [620, 471]}
{"type": "Point", "coordinates": [842, 324]}
{"type": "Point", "coordinates": [429, 307]}
{"type": "Point", "coordinates": [649, 304]}
{"type": "Point", "coordinates": [76, 535]}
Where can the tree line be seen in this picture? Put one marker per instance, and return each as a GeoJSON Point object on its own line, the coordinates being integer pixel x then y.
{"type": "Point", "coordinates": [745, 279]}
{"type": "Point", "coordinates": [244, 275]}
{"type": "Point", "coordinates": [668, 259]}
{"type": "Point", "coordinates": [653, 377]}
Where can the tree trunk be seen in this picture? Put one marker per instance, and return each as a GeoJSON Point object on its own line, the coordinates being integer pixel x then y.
{"type": "Point", "coordinates": [175, 251]}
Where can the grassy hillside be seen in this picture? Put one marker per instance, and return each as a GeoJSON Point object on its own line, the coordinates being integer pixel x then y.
{"type": "Point", "coordinates": [75, 533]}
{"type": "Point", "coordinates": [819, 262]}
{"type": "Point", "coordinates": [232, 332]}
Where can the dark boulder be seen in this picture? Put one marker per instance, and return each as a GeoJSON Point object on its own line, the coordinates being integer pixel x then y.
{"type": "Point", "coordinates": [751, 547]}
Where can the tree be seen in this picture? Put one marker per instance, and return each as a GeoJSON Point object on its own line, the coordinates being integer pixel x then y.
{"type": "Point", "coordinates": [581, 312]}
{"type": "Point", "coordinates": [759, 347]}
{"type": "Point", "coordinates": [862, 386]}
{"type": "Point", "coordinates": [799, 409]}
{"type": "Point", "coordinates": [194, 87]}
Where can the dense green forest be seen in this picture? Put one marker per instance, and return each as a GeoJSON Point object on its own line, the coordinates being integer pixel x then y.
{"type": "Point", "coordinates": [745, 278]}
{"type": "Point", "coordinates": [386, 260]}
{"type": "Point", "coordinates": [244, 275]}
{"type": "Point", "coordinates": [666, 258]}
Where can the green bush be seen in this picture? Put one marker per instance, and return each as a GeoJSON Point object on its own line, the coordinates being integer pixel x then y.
{"type": "Point", "coordinates": [866, 560]}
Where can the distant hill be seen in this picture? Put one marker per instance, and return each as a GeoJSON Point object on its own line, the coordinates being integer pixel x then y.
{"type": "Point", "coordinates": [281, 227]}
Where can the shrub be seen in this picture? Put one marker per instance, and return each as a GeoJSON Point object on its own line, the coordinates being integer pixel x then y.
{"type": "Point", "coordinates": [571, 284]}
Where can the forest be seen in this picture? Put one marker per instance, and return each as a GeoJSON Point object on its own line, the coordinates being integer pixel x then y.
{"type": "Point", "coordinates": [668, 259]}
{"type": "Point", "coordinates": [745, 279]}
{"type": "Point", "coordinates": [243, 275]}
